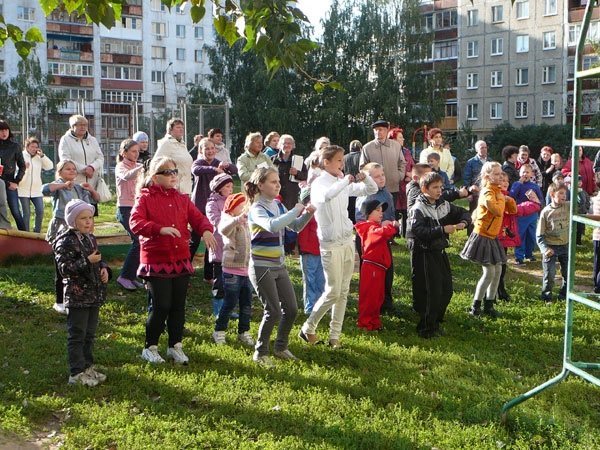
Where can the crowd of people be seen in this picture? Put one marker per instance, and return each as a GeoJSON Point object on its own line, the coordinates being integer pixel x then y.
{"type": "Point", "coordinates": [327, 207]}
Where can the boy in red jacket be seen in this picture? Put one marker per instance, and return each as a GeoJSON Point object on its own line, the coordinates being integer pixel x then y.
{"type": "Point", "coordinates": [376, 258]}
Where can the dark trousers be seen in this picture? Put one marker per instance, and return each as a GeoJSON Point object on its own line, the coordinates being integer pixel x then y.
{"type": "Point", "coordinates": [432, 288]}
{"type": "Point", "coordinates": [388, 301]}
{"type": "Point", "coordinates": [132, 260]}
{"type": "Point", "coordinates": [352, 209]}
{"type": "Point", "coordinates": [194, 244]}
{"type": "Point", "coordinates": [238, 290]}
{"type": "Point", "coordinates": [168, 304]}
{"type": "Point", "coordinates": [597, 267]}
{"type": "Point", "coordinates": [501, 288]}
{"type": "Point", "coordinates": [404, 217]}
{"type": "Point", "coordinates": [81, 329]}
{"type": "Point", "coordinates": [58, 284]}
{"type": "Point", "coordinates": [12, 197]}
{"type": "Point", "coordinates": [218, 290]}
{"type": "Point", "coordinates": [472, 207]}
{"type": "Point", "coordinates": [580, 232]}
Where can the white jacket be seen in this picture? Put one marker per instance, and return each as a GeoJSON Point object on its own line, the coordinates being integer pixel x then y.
{"type": "Point", "coordinates": [223, 154]}
{"type": "Point", "coordinates": [446, 161]}
{"type": "Point", "coordinates": [84, 153]}
{"type": "Point", "coordinates": [170, 147]}
{"type": "Point", "coordinates": [330, 195]}
{"type": "Point", "coordinates": [31, 184]}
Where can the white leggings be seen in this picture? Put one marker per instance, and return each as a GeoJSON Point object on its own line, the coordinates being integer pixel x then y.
{"type": "Point", "coordinates": [488, 283]}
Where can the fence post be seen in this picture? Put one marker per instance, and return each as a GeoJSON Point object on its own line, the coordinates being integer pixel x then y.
{"type": "Point", "coordinates": [227, 130]}
{"type": "Point", "coordinates": [24, 119]}
{"type": "Point", "coordinates": [201, 120]}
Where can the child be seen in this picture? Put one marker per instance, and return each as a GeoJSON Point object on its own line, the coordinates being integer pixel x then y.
{"type": "Point", "coordinates": [483, 246]}
{"type": "Point", "coordinates": [433, 159]}
{"type": "Point", "coordinates": [510, 153]}
{"type": "Point", "coordinates": [521, 192]}
{"type": "Point", "coordinates": [553, 239]}
{"type": "Point", "coordinates": [523, 158]}
{"type": "Point", "coordinates": [596, 235]}
{"type": "Point", "coordinates": [413, 189]}
{"type": "Point", "coordinates": [160, 218]}
{"type": "Point", "coordinates": [221, 187]}
{"type": "Point", "coordinates": [559, 177]}
{"type": "Point", "coordinates": [30, 187]}
{"type": "Point", "coordinates": [377, 259]}
{"type": "Point", "coordinates": [84, 276]}
{"type": "Point", "coordinates": [62, 191]}
{"type": "Point", "coordinates": [313, 278]}
{"type": "Point", "coordinates": [233, 227]}
{"type": "Point", "coordinates": [509, 232]}
{"type": "Point", "coordinates": [583, 206]}
{"type": "Point", "coordinates": [126, 174]}
{"type": "Point", "coordinates": [268, 219]}
{"type": "Point", "coordinates": [330, 196]}
{"type": "Point", "coordinates": [430, 222]}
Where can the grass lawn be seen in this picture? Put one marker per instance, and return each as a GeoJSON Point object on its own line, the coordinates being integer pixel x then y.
{"type": "Point", "coordinates": [388, 390]}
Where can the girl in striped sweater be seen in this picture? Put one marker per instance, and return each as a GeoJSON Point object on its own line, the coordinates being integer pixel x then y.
{"type": "Point", "coordinates": [268, 219]}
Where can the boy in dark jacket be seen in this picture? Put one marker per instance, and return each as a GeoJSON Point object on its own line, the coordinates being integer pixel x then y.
{"type": "Point", "coordinates": [430, 222]}
{"type": "Point", "coordinates": [413, 189]}
{"type": "Point", "coordinates": [84, 277]}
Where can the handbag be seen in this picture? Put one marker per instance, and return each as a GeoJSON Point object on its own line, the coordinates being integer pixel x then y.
{"type": "Point", "coordinates": [103, 190]}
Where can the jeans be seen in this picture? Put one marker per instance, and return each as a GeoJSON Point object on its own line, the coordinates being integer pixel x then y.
{"type": "Point", "coordinates": [168, 304]}
{"type": "Point", "coordinates": [4, 220]}
{"type": "Point", "coordinates": [313, 279]}
{"type": "Point", "coordinates": [81, 328]}
{"type": "Point", "coordinates": [238, 289]}
{"type": "Point", "coordinates": [561, 252]}
{"type": "Point", "coordinates": [527, 226]}
{"type": "Point", "coordinates": [12, 197]}
{"type": "Point", "coordinates": [132, 260]}
{"type": "Point", "coordinates": [38, 204]}
{"type": "Point", "coordinates": [218, 291]}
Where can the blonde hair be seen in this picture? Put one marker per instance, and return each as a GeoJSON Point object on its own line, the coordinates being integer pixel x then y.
{"type": "Point", "coordinates": [30, 140]}
{"type": "Point", "coordinates": [251, 186]}
{"type": "Point", "coordinates": [250, 138]}
{"type": "Point", "coordinates": [156, 165]}
{"type": "Point", "coordinates": [486, 170]}
{"type": "Point", "coordinates": [126, 145]}
{"type": "Point", "coordinates": [270, 137]}
{"type": "Point", "coordinates": [75, 119]}
{"type": "Point", "coordinates": [324, 140]}
{"type": "Point", "coordinates": [202, 143]}
{"type": "Point", "coordinates": [328, 153]}
{"type": "Point", "coordinates": [370, 166]}
{"type": "Point", "coordinates": [61, 165]}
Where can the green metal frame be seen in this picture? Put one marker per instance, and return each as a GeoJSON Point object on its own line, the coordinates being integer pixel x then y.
{"type": "Point", "coordinates": [587, 299]}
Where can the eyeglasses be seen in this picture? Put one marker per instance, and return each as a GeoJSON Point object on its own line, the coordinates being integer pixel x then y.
{"type": "Point", "coordinates": [168, 172]}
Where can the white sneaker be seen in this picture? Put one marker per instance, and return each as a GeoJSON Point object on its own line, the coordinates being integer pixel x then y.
{"type": "Point", "coordinates": [151, 354]}
{"type": "Point", "coordinates": [263, 361]}
{"type": "Point", "coordinates": [91, 372]}
{"type": "Point", "coordinates": [84, 379]}
{"type": "Point", "coordinates": [219, 337]}
{"type": "Point", "coordinates": [60, 308]}
{"type": "Point", "coordinates": [177, 354]}
{"type": "Point", "coordinates": [286, 355]}
{"type": "Point", "coordinates": [246, 338]}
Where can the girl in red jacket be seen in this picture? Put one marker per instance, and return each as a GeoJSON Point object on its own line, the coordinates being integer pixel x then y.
{"type": "Point", "coordinates": [376, 258]}
{"type": "Point", "coordinates": [160, 218]}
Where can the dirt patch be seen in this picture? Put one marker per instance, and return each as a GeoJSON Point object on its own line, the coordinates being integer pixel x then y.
{"type": "Point", "coordinates": [45, 441]}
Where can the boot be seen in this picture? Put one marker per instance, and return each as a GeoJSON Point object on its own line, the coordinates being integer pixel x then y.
{"type": "Point", "coordinates": [217, 305]}
{"type": "Point", "coordinates": [503, 295]}
{"type": "Point", "coordinates": [488, 308]}
{"type": "Point", "coordinates": [475, 309]}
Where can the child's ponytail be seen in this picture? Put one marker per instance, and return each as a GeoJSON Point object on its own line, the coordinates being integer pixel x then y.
{"type": "Point", "coordinates": [251, 186]}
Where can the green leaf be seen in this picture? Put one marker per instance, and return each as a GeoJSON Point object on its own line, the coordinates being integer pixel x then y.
{"type": "Point", "coordinates": [220, 24]}
{"type": "Point", "coordinates": [34, 35]}
{"type": "Point", "coordinates": [197, 13]}
{"type": "Point", "coordinates": [23, 48]}
{"type": "Point", "coordinates": [250, 38]}
{"type": "Point", "coordinates": [298, 14]}
{"type": "Point", "coordinates": [49, 5]}
{"type": "Point", "coordinates": [307, 45]}
{"type": "Point", "coordinates": [336, 85]}
{"type": "Point", "coordinates": [2, 19]}
{"type": "Point", "coordinates": [230, 6]}
{"type": "Point", "coordinates": [319, 87]}
{"type": "Point", "coordinates": [14, 32]}
{"type": "Point", "coordinates": [108, 19]}
{"type": "Point", "coordinates": [231, 33]}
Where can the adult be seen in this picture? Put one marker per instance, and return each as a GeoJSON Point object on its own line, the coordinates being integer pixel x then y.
{"type": "Point", "coordinates": [471, 174]}
{"type": "Point", "coordinates": [30, 187]}
{"type": "Point", "coordinates": [596, 166]}
{"type": "Point", "coordinates": [13, 171]}
{"type": "Point", "coordinates": [194, 149]}
{"type": "Point", "coordinates": [352, 167]}
{"type": "Point", "coordinates": [509, 155]}
{"type": "Point", "coordinates": [586, 171]}
{"type": "Point", "coordinates": [546, 167]}
{"type": "Point", "coordinates": [142, 139]}
{"type": "Point", "coordinates": [389, 154]}
{"type": "Point", "coordinates": [252, 157]}
{"type": "Point", "coordinates": [272, 144]}
{"type": "Point", "coordinates": [222, 152]}
{"type": "Point", "coordinates": [435, 138]}
{"type": "Point", "coordinates": [397, 134]}
{"type": "Point", "coordinates": [4, 220]}
{"type": "Point", "coordinates": [290, 190]}
{"type": "Point", "coordinates": [524, 158]}
{"type": "Point", "coordinates": [172, 146]}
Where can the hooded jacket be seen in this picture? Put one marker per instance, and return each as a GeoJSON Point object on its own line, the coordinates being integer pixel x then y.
{"type": "Point", "coordinates": [84, 153]}
{"type": "Point", "coordinates": [11, 157]}
{"type": "Point", "coordinates": [31, 184]}
{"type": "Point", "coordinates": [489, 215]}
{"type": "Point", "coordinates": [175, 149]}
{"type": "Point", "coordinates": [374, 239]}
{"type": "Point", "coordinates": [214, 208]}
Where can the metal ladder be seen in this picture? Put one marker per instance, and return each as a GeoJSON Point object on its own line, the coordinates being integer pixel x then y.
{"type": "Point", "coordinates": [587, 299]}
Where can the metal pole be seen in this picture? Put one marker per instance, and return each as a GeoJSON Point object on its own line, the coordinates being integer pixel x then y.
{"type": "Point", "coordinates": [201, 120]}
{"type": "Point", "coordinates": [183, 113]}
{"type": "Point", "coordinates": [135, 125]}
{"type": "Point", "coordinates": [227, 129]}
{"type": "Point", "coordinates": [152, 149]}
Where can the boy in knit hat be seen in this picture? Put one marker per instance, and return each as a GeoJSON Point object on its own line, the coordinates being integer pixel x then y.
{"type": "Point", "coordinates": [142, 139]}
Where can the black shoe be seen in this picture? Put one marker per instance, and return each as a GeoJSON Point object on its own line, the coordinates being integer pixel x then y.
{"type": "Point", "coordinates": [562, 294]}
{"type": "Point", "coordinates": [503, 295]}
{"type": "Point", "coordinates": [427, 334]}
{"type": "Point", "coordinates": [519, 262]}
{"type": "Point", "coordinates": [488, 309]}
{"type": "Point", "coordinates": [475, 309]}
{"type": "Point", "coordinates": [440, 332]}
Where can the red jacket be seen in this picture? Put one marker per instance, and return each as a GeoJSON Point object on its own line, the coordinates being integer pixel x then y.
{"type": "Point", "coordinates": [510, 221]}
{"type": "Point", "coordinates": [156, 208]}
{"type": "Point", "coordinates": [307, 238]}
{"type": "Point", "coordinates": [374, 239]}
{"type": "Point", "coordinates": [586, 170]}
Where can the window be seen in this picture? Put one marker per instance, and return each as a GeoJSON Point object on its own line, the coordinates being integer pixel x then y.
{"type": "Point", "coordinates": [158, 76]}
{"type": "Point", "coordinates": [522, 9]}
{"type": "Point", "coordinates": [497, 14]}
{"type": "Point", "coordinates": [570, 68]}
{"type": "Point", "coordinates": [71, 70]}
{"type": "Point", "coordinates": [549, 40]}
{"type": "Point", "coordinates": [121, 73]}
{"type": "Point", "coordinates": [199, 78]}
{"type": "Point", "coordinates": [495, 110]}
{"type": "Point", "coordinates": [179, 9]}
{"type": "Point", "coordinates": [445, 49]}
{"type": "Point", "coordinates": [159, 52]}
{"type": "Point", "coordinates": [131, 23]}
{"type": "Point", "coordinates": [472, 49]}
{"type": "Point", "coordinates": [428, 22]}
{"type": "Point", "coordinates": [157, 5]}
{"type": "Point", "coordinates": [497, 46]}
{"type": "Point", "coordinates": [472, 80]}
{"type": "Point", "coordinates": [549, 75]}
{"type": "Point", "coordinates": [472, 111]}
{"type": "Point", "coordinates": [180, 78]}
{"type": "Point", "coordinates": [74, 94]}
{"type": "Point", "coordinates": [198, 55]}
{"type": "Point", "coordinates": [451, 110]}
{"type": "Point", "coordinates": [446, 19]}
{"type": "Point", "coordinates": [574, 32]}
{"type": "Point", "coordinates": [180, 31]}
{"type": "Point", "coordinates": [522, 44]}
{"type": "Point", "coordinates": [199, 32]}
{"type": "Point", "coordinates": [547, 108]}
{"type": "Point", "coordinates": [520, 110]}
{"type": "Point", "coordinates": [121, 96]}
{"type": "Point", "coordinates": [522, 77]}
{"type": "Point", "coordinates": [158, 101]}
{"type": "Point", "coordinates": [472, 17]}
{"type": "Point", "coordinates": [1, 66]}
{"type": "Point", "coordinates": [496, 79]}
{"type": "Point", "coordinates": [181, 54]}
{"type": "Point", "coordinates": [111, 122]}
{"type": "Point", "coordinates": [159, 28]}
{"type": "Point", "coordinates": [593, 33]}
{"type": "Point", "coordinates": [589, 62]}
{"type": "Point", "coordinates": [121, 46]}
{"type": "Point", "coordinates": [25, 13]}
{"type": "Point", "coordinates": [550, 7]}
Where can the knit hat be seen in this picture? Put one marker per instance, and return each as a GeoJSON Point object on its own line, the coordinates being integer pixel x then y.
{"type": "Point", "coordinates": [567, 179]}
{"type": "Point", "coordinates": [233, 201]}
{"type": "Point", "coordinates": [74, 208]}
{"type": "Point", "coordinates": [371, 205]}
{"type": "Point", "coordinates": [140, 136]}
{"type": "Point", "coordinates": [305, 195]}
{"type": "Point", "coordinates": [556, 175]}
{"type": "Point", "coordinates": [219, 181]}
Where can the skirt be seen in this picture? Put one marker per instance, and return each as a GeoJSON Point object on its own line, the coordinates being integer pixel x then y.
{"type": "Point", "coordinates": [483, 250]}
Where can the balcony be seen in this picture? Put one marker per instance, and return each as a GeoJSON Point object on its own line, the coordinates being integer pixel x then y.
{"type": "Point", "coordinates": [69, 55]}
{"type": "Point", "coordinates": [131, 10]}
{"type": "Point", "coordinates": [69, 28]}
{"type": "Point", "coordinates": [118, 58]}
{"type": "Point", "coordinates": [72, 81]}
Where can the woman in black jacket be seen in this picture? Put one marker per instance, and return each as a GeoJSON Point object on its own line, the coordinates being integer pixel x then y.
{"type": "Point", "coordinates": [11, 158]}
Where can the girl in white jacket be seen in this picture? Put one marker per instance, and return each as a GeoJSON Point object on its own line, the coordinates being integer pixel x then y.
{"type": "Point", "coordinates": [30, 187]}
{"type": "Point", "coordinates": [329, 194]}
